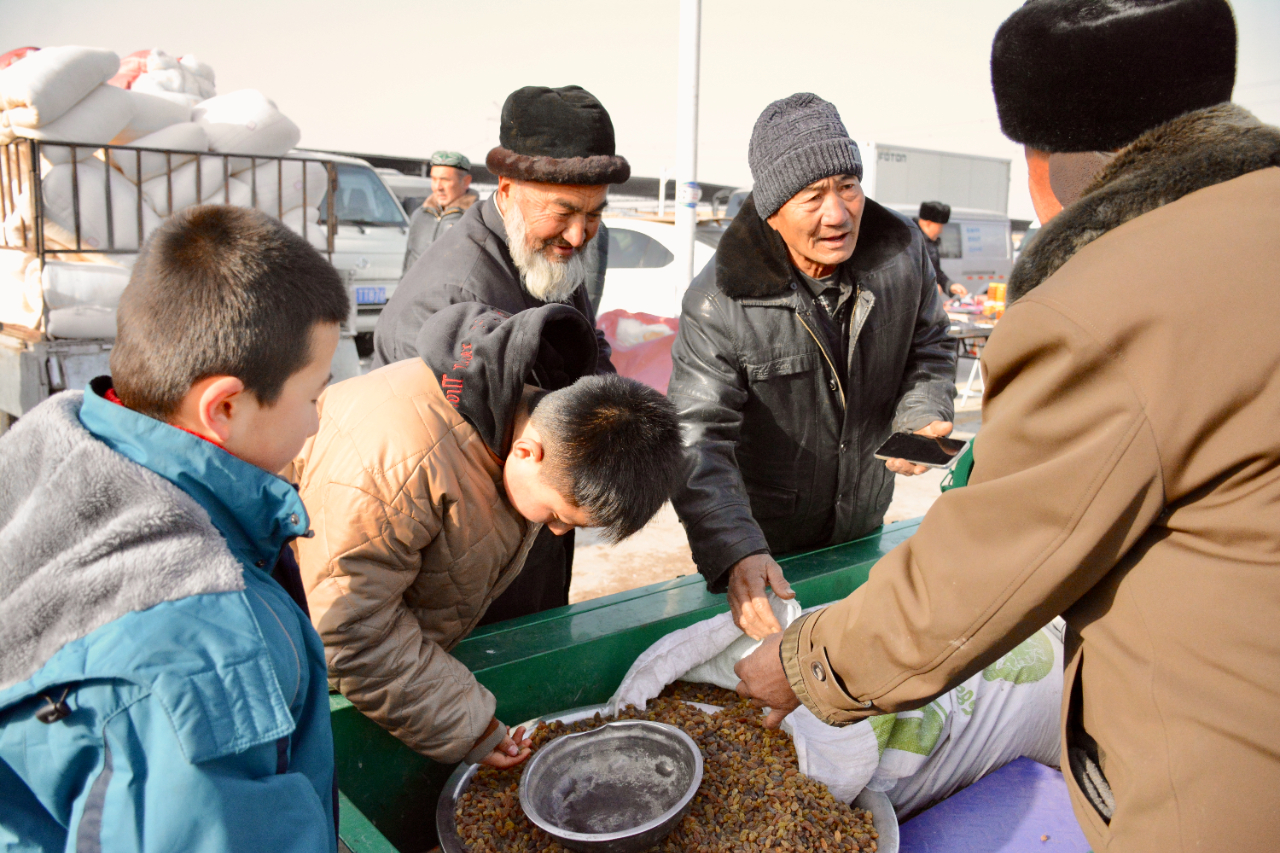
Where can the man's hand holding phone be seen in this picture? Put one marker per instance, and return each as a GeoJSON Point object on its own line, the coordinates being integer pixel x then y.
{"type": "Point", "coordinates": [911, 467]}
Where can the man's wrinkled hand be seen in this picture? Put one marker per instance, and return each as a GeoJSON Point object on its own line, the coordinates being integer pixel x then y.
{"type": "Point", "coordinates": [764, 681]}
{"type": "Point", "coordinates": [748, 580]}
{"type": "Point", "coordinates": [938, 429]}
{"type": "Point", "coordinates": [513, 750]}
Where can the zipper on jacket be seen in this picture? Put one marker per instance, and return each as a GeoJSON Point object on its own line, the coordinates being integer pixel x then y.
{"type": "Point", "coordinates": [835, 374]}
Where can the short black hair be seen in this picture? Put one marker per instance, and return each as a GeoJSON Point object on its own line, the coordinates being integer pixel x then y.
{"type": "Point", "coordinates": [613, 449]}
{"type": "Point", "coordinates": [220, 290]}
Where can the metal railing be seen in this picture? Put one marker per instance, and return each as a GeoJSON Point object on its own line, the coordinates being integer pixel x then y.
{"type": "Point", "coordinates": [20, 173]}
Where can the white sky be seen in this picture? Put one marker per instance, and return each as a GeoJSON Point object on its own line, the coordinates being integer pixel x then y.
{"type": "Point", "coordinates": [406, 78]}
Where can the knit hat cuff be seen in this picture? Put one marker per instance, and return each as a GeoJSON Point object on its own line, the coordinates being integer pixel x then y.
{"type": "Point", "coordinates": [791, 173]}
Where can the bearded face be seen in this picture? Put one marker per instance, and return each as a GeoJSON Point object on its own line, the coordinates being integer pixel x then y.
{"type": "Point", "coordinates": [549, 228]}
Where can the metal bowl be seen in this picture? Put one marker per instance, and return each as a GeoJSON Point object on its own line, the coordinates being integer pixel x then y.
{"type": "Point", "coordinates": [882, 813]}
{"type": "Point", "coordinates": [620, 788]}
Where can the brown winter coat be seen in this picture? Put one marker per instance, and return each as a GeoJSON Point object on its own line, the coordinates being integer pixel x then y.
{"type": "Point", "coordinates": [414, 539]}
{"type": "Point", "coordinates": [1128, 477]}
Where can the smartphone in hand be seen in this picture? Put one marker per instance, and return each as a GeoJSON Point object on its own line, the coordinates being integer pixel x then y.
{"type": "Point", "coordinates": [927, 450]}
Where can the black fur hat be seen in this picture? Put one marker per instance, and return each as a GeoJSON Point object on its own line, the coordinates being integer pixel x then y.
{"type": "Point", "coordinates": [1094, 75]}
{"type": "Point", "coordinates": [934, 211]}
{"type": "Point", "coordinates": [557, 136]}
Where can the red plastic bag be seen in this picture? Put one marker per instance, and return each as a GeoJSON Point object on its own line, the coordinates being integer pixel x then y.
{"type": "Point", "coordinates": [132, 67]}
{"type": "Point", "coordinates": [7, 59]}
{"type": "Point", "coordinates": [641, 345]}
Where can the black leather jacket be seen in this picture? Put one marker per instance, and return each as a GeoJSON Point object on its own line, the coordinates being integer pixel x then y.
{"type": "Point", "coordinates": [780, 440]}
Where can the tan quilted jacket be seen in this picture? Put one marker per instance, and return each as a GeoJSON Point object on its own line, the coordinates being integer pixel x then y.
{"type": "Point", "coordinates": [414, 540]}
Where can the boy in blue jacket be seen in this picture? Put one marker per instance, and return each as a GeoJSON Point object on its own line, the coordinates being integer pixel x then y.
{"type": "Point", "coordinates": [160, 690]}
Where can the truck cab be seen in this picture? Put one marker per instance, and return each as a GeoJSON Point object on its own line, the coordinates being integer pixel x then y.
{"type": "Point", "coordinates": [369, 244]}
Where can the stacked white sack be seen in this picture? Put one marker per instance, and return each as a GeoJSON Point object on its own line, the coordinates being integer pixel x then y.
{"type": "Point", "coordinates": [185, 80]}
{"type": "Point", "coordinates": [81, 299]}
{"type": "Point", "coordinates": [96, 120]}
{"type": "Point", "coordinates": [246, 122]}
{"type": "Point", "coordinates": [42, 86]}
{"type": "Point", "coordinates": [20, 304]}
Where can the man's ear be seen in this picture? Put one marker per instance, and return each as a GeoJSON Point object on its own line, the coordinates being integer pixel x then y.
{"type": "Point", "coordinates": [216, 402]}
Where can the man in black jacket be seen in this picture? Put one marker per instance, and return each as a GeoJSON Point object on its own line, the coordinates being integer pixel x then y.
{"type": "Point", "coordinates": [816, 333]}
{"type": "Point", "coordinates": [933, 216]}
{"type": "Point", "coordinates": [525, 247]}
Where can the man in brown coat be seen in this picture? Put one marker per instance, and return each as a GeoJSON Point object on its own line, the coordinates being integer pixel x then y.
{"type": "Point", "coordinates": [1128, 471]}
{"type": "Point", "coordinates": [429, 481]}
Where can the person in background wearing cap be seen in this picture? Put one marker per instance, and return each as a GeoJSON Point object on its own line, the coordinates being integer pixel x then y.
{"type": "Point", "coordinates": [451, 196]}
{"type": "Point", "coordinates": [1128, 471]}
{"type": "Point", "coordinates": [816, 333]}
{"type": "Point", "coordinates": [524, 247]}
{"type": "Point", "coordinates": [933, 215]}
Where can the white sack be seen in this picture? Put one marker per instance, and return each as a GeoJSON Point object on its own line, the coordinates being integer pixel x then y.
{"type": "Point", "coordinates": [71, 285]}
{"type": "Point", "coordinates": [150, 114]}
{"type": "Point", "coordinates": [187, 136]}
{"type": "Point", "coordinates": [246, 122]}
{"type": "Point", "coordinates": [317, 232]}
{"type": "Point", "coordinates": [20, 302]}
{"type": "Point", "coordinates": [82, 323]}
{"type": "Point", "coordinates": [212, 188]}
{"type": "Point", "coordinates": [95, 120]}
{"type": "Point", "coordinates": [59, 210]}
{"type": "Point", "coordinates": [270, 175]}
{"type": "Point", "coordinates": [164, 73]}
{"type": "Point", "coordinates": [918, 757]}
{"type": "Point", "coordinates": [203, 71]}
{"type": "Point", "coordinates": [1011, 709]}
{"type": "Point", "coordinates": [42, 86]}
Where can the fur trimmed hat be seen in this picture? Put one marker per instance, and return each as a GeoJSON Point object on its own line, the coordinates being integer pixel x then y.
{"type": "Point", "coordinates": [934, 211]}
{"type": "Point", "coordinates": [556, 136]}
{"type": "Point", "coordinates": [1094, 75]}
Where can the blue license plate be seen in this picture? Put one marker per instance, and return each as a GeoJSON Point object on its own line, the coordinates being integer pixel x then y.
{"type": "Point", "coordinates": [371, 295]}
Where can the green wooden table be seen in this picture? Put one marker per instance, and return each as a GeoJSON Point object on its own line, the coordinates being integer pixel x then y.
{"type": "Point", "coordinates": [551, 661]}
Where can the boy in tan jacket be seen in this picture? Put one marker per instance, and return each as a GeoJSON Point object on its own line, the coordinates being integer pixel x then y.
{"type": "Point", "coordinates": [429, 480]}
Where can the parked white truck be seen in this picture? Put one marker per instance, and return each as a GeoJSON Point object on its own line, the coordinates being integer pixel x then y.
{"type": "Point", "coordinates": [73, 225]}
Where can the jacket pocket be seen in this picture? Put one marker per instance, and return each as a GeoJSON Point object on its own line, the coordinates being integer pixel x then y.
{"type": "Point", "coordinates": [769, 501]}
{"type": "Point", "coordinates": [790, 365]}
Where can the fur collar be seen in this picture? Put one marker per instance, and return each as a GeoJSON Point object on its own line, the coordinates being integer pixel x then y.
{"type": "Point", "coordinates": [462, 202]}
{"type": "Point", "coordinates": [752, 260]}
{"type": "Point", "coordinates": [87, 536]}
{"type": "Point", "coordinates": [1194, 151]}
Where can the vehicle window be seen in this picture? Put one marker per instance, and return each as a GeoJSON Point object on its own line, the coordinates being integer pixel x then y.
{"type": "Point", "coordinates": [986, 239]}
{"type": "Point", "coordinates": [949, 241]}
{"type": "Point", "coordinates": [632, 250]}
{"type": "Point", "coordinates": [362, 199]}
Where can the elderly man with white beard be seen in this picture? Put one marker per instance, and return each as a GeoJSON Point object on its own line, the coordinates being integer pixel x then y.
{"type": "Point", "coordinates": [524, 247]}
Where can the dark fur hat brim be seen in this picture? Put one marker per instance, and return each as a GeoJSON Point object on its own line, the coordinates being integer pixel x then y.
{"type": "Point", "coordinates": [595, 170]}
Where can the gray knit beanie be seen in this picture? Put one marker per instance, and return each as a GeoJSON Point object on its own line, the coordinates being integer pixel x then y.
{"type": "Point", "coordinates": [796, 141]}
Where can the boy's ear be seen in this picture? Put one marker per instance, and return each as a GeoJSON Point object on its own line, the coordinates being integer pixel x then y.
{"type": "Point", "coordinates": [210, 407]}
{"type": "Point", "coordinates": [527, 448]}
